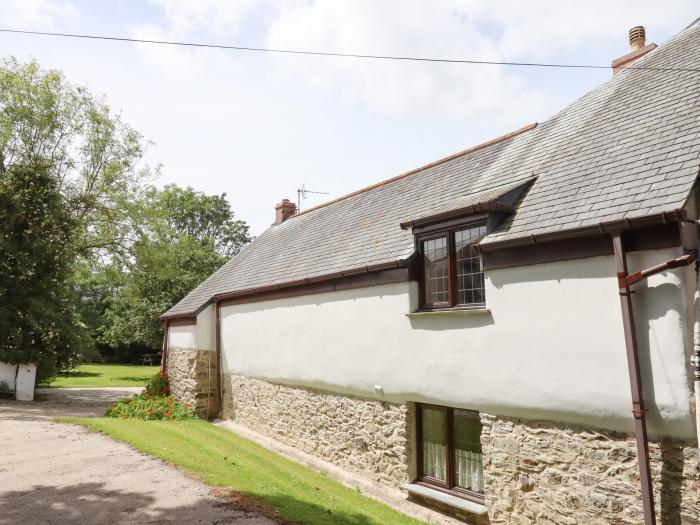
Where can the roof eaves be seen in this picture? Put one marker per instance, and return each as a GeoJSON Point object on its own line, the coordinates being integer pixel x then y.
{"type": "Point", "coordinates": [459, 212]}
{"type": "Point", "coordinates": [486, 245]}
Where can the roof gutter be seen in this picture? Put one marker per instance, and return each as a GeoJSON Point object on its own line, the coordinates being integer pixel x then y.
{"type": "Point", "coordinates": [603, 227]}
{"type": "Point", "coordinates": [625, 281]}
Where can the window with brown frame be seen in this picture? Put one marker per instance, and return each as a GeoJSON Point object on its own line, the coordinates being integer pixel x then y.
{"type": "Point", "coordinates": [449, 451]}
{"type": "Point", "coordinates": [451, 271]}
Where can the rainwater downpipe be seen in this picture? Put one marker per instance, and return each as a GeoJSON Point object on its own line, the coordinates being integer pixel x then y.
{"type": "Point", "coordinates": [164, 353]}
{"type": "Point", "coordinates": [638, 410]}
{"type": "Point", "coordinates": [219, 373]}
{"type": "Point", "coordinates": [625, 281]}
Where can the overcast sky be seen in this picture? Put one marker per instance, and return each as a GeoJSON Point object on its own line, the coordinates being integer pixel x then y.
{"type": "Point", "coordinates": [258, 126]}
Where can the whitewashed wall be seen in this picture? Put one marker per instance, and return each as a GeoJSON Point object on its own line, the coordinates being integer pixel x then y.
{"type": "Point", "coordinates": [551, 345]}
{"type": "Point", "coordinates": [200, 336]}
{"type": "Point", "coordinates": [8, 374]}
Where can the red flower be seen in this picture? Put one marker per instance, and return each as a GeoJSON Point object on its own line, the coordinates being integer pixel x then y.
{"type": "Point", "coordinates": [167, 414]}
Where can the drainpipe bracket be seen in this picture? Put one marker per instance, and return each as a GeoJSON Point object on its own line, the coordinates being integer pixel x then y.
{"type": "Point", "coordinates": [695, 360]}
{"type": "Point", "coordinates": [638, 410]}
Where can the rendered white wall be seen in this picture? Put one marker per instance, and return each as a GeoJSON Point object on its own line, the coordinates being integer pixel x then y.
{"type": "Point", "coordinates": [200, 336]}
{"type": "Point", "coordinates": [551, 346]}
{"type": "Point", "coordinates": [20, 379]}
{"type": "Point", "coordinates": [26, 377]}
{"type": "Point", "coordinates": [7, 375]}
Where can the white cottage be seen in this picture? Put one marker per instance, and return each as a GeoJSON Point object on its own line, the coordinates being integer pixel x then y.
{"type": "Point", "coordinates": [505, 331]}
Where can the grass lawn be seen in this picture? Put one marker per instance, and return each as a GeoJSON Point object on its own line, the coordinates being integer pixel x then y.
{"type": "Point", "coordinates": [252, 473]}
{"type": "Point", "coordinates": [92, 376]}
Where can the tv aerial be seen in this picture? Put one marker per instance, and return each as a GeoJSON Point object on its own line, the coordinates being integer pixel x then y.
{"type": "Point", "coordinates": [303, 192]}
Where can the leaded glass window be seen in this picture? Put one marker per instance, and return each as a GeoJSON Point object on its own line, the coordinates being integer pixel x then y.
{"type": "Point", "coordinates": [436, 270]}
{"type": "Point", "coordinates": [452, 273]}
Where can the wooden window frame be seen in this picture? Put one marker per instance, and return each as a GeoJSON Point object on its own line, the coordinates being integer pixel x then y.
{"type": "Point", "coordinates": [448, 231]}
{"type": "Point", "coordinates": [448, 486]}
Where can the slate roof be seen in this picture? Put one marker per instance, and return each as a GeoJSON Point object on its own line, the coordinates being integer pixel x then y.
{"type": "Point", "coordinates": [628, 149]}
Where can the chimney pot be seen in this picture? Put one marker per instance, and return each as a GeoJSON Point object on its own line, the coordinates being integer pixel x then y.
{"type": "Point", "coordinates": [284, 210]}
{"type": "Point", "coordinates": [638, 38]}
{"type": "Point", "coordinates": [638, 48]}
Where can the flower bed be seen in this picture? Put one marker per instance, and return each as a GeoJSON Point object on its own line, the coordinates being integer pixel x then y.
{"type": "Point", "coordinates": [154, 403]}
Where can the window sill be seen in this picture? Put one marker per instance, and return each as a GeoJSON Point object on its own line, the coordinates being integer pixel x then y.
{"type": "Point", "coordinates": [446, 499]}
{"type": "Point", "coordinates": [449, 311]}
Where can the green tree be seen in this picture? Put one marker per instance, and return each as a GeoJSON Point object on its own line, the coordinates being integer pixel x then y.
{"type": "Point", "coordinates": [38, 321]}
{"type": "Point", "coordinates": [71, 193]}
{"type": "Point", "coordinates": [91, 153]}
{"type": "Point", "coordinates": [186, 235]}
{"type": "Point", "coordinates": [162, 274]}
{"type": "Point", "coordinates": [207, 218]}
{"type": "Point", "coordinates": [114, 253]}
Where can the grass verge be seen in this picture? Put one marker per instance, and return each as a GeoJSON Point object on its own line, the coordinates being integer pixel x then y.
{"type": "Point", "coordinates": [96, 376]}
{"type": "Point", "coordinates": [249, 474]}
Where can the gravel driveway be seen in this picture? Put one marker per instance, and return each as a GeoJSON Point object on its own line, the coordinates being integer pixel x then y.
{"type": "Point", "coordinates": [55, 473]}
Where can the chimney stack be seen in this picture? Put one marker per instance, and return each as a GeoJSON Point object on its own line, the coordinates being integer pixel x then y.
{"type": "Point", "coordinates": [284, 210]}
{"type": "Point", "coordinates": [638, 48]}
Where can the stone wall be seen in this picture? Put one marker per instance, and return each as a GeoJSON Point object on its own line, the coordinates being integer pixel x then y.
{"type": "Point", "coordinates": [361, 435]}
{"type": "Point", "coordinates": [534, 472]}
{"type": "Point", "coordinates": [545, 473]}
{"type": "Point", "coordinates": [193, 378]}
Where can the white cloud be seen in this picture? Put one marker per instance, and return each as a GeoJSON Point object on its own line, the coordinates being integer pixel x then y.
{"type": "Point", "coordinates": [35, 14]}
{"type": "Point", "coordinates": [539, 29]}
{"type": "Point", "coordinates": [395, 87]}
{"type": "Point", "coordinates": [472, 29]}
{"type": "Point", "coordinates": [176, 63]}
{"type": "Point", "coordinates": [185, 17]}
{"type": "Point", "coordinates": [186, 20]}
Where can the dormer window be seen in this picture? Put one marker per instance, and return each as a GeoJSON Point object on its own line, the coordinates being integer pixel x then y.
{"type": "Point", "coordinates": [450, 267]}
{"type": "Point", "coordinates": [448, 264]}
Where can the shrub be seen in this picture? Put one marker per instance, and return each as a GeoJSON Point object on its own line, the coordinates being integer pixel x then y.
{"type": "Point", "coordinates": [154, 403]}
{"type": "Point", "coordinates": [159, 385]}
{"type": "Point", "coordinates": [149, 407]}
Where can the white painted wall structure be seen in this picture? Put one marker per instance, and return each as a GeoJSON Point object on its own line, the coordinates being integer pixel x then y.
{"type": "Point", "coordinates": [551, 345]}
{"type": "Point", "coordinates": [26, 377]}
{"type": "Point", "coordinates": [8, 374]}
{"type": "Point", "coordinates": [201, 336]}
{"type": "Point", "coordinates": [20, 379]}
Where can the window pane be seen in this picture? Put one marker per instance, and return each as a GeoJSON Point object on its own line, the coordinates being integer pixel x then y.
{"type": "Point", "coordinates": [470, 277]}
{"type": "Point", "coordinates": [435, 270]}
{"type": "Point", "coordinates": [434, 442]}
{"type": "Point", "coordinates": [469, 469]}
